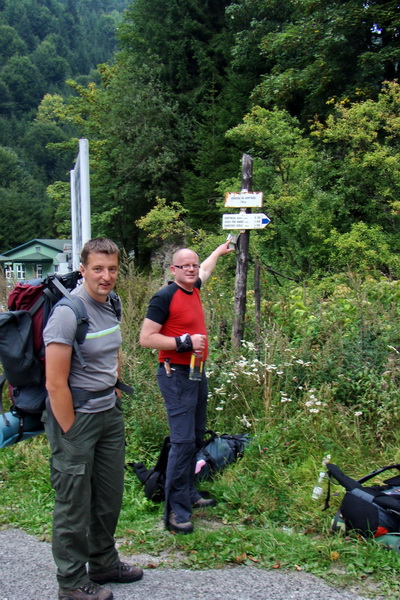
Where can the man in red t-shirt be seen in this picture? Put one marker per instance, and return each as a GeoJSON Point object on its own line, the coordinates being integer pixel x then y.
{"type": "Point", "coordinates": [175, 326]}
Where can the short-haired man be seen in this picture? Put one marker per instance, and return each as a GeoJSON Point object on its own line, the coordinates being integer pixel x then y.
{"type": "Point", "coordinates": [86, 434]}
{"type": "Point", "coordinates": [175, 326]}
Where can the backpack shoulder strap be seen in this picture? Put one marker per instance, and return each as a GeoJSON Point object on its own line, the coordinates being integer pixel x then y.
{"type": "Point", "coordinates": [82, 321]}
{"type": "Point", "coordinates": [82, 318]}
{"type": "Point", "coordinates": [381, 470]}
{"type": "Point", "coordinates": [162, 460]}
{"type": "Point", "coordinates": [81, 315]}
{"type": "Point", "coordinates": [141, 471]}
{"type": "Point", "coordinates": [116, 304]}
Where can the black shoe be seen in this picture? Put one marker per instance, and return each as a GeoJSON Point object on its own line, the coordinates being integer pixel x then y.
{"type": "Point", "coordinates": [204, 503]}
{"type": "Point", "coordinates": [122, 573]}
{"type": "Point", "coordinates": [172, 525]}
{"type": "Point", "coordinates": [88, 591]}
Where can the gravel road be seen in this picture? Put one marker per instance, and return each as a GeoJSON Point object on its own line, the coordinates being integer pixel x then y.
{"type": "Point", "coordinates": [27, 572]}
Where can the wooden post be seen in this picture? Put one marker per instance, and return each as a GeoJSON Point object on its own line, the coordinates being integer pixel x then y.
{"type": "Point", "coordinates": [257, 299]}
{"type": "Point", "coordinates": [242, 258]}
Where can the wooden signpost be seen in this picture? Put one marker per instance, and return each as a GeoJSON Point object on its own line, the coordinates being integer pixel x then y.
{"type": "Point", "coordinates": [243, 221]}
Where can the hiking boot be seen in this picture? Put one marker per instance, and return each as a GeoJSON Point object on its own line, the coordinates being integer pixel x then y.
{"type": "Point", "coordinates": [176, 527]}
{"type": "Point", "coordinates": [122, 573]}
{"type": "Point", "coordinates": [87, 591]}
{"type": "Point", "coordinates": [204, 503]}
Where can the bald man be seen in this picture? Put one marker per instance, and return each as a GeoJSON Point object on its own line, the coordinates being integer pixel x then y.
{"type": "Point", "coordinates": [175, 326]}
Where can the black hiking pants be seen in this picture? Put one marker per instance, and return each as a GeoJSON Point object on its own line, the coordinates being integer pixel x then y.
{"type": "Point", "coordinates": [186, 406]}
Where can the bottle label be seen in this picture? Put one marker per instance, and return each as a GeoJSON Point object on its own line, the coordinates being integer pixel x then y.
{"type": "Point", "coordinates": [196, 367]}
{"type": "Point", "coordinates": [317, 492]}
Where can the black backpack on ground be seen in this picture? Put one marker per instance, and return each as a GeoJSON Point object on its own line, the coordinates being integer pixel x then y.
{"type": "Point", "coordinates": [369, 511]}
{"type": "Point", "coordinates": [215, 454]}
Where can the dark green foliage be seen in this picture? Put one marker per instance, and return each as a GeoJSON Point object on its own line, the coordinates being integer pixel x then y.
{"type": "Point", "coordinates": [330, 50]}
{"type": "Point", "coordinates": [331, 197]}
{"type": "Point", "coordinates": [11, 43]}
{"type": "Point", "coordinates": [185, 38]}
{"type": "Point", "coordinates": [42, 43]}
{"type": "Point", "coordinates": [23, 213]}
{"type": "Point", "coordinates": [165, 121]}
{"type": "Point", "coordinates": [189, 45]}
{"type": "Point", "coordinates": [44, 162]}
{"type": "Point", "coordinates": [25, 83]}
{"type": "Point", "coordinates": [144, 155]}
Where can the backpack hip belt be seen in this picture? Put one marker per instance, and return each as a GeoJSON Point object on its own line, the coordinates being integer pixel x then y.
{"type": "Point", "coordinates": [80, 396]}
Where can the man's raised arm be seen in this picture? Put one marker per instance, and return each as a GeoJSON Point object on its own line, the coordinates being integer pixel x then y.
{"type": "Point", "coordinates": [207, 266]}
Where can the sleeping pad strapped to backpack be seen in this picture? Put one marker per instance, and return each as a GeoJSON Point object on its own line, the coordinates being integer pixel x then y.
{"type": "Point", "coordinates": [372, 512]}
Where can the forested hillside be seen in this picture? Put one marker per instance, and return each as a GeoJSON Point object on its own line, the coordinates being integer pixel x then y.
{"type": "Point", "coordinates": [42, 44]}
{"type": "Point", "coordinates": [309, 89]}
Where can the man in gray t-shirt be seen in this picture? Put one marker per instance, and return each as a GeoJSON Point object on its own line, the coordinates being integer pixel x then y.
{"type": "Point", "coordinates": [87, 440]}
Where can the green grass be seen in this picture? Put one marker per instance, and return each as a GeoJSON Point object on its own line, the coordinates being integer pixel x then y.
{"type": "Point", "coordinates": [265, 517]}
{"type": "Point", "coordinates": [321, 378]}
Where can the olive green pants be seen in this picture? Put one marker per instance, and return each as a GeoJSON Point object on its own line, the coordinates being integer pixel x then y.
{"type": "Point", "coordinates": [87, 474]}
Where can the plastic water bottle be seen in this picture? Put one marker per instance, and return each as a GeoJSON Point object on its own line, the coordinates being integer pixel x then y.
{"type": "Point", "coordinates": [317, 491]}
{"type": "Point", "coordinates": [196, 366]}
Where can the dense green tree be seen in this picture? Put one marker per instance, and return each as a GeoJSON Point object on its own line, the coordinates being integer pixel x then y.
{"type": "Point", "coordinates": [138, 143]}
{"type": "Point", "coordinates": [25, 83]}
{"type": "Point", "coordinates": [45, 163]}
{"type": "Point", "coordinates": [184, 39]}
{"type": "Point", "coordinates": [144, 151]}
{"type": "Point", "coordinates": [47, 60]}
{"type": "Point", "coordinates": [361, 143]}
{"type": "Point", "coordinates": [23, 213]}
{"type": "Point", "coordinates": [328, 50]}
{"type": "Point", "coordinates": [42, 42]}
{"type": "Point", "coordinates": [10, 44]}
{"type": "Point", "coordinates": [189, 45]}
{"type": "Point", "coordinates": [333, 199]}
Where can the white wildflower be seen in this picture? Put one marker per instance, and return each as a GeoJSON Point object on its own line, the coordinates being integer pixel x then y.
{"type": "Point", "coordinates": [245, 421]}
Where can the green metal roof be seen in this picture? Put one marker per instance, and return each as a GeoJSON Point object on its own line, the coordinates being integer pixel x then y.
{"type": "Point", "coordinates": [54, 244]}
{"type": "Point", "coordinates": [34, 257]}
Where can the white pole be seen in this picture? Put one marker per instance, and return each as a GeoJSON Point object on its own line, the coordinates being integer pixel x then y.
{"type": "Point", "coordinates": [85, 190]}
{"type": "Point", "coordinates": [74, 225]}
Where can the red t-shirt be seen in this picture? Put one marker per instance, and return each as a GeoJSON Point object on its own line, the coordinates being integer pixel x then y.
{"type": "Point", "coordinates": [179, 312]}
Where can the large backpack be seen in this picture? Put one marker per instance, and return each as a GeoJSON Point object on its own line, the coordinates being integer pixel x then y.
{"type": "Point", "coordinates": [216, 453]}
{"type": "Point", "coordinates": [372, 511]}
{"type": "Point", "coordinates": [22, 351]}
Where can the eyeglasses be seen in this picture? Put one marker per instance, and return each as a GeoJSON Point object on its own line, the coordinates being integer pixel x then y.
{"type": "Point", "coordinates": [187, 267]}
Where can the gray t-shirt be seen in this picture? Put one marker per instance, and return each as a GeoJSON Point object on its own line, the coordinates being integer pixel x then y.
{"type": "Point", "coordinates": [99, 350]}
